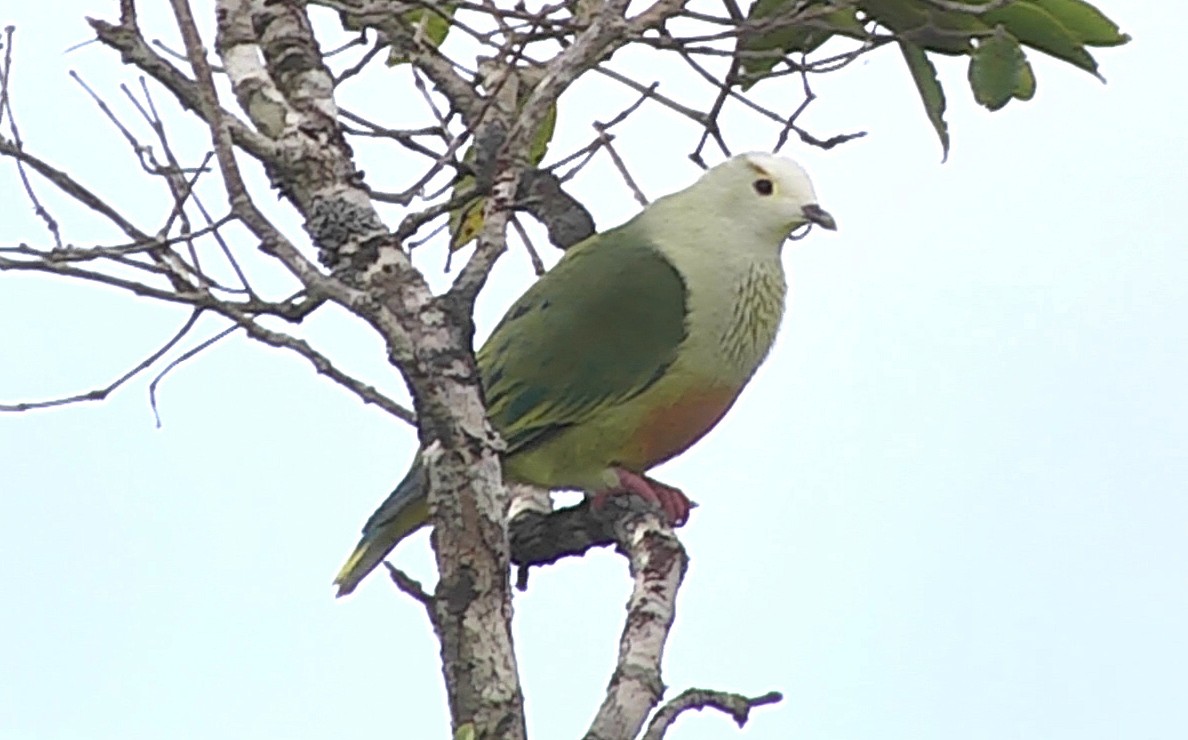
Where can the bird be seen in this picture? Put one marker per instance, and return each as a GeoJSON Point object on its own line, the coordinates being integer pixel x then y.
{"type": "Point", "coordinates": [632, 347]}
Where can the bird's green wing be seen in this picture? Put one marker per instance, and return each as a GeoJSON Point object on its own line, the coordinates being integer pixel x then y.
{"type": "Point", "coordinates": [595, 331]}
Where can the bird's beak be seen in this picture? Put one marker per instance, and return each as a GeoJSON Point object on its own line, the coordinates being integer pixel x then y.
{"type": "Point", "coordinates": [815, 214]}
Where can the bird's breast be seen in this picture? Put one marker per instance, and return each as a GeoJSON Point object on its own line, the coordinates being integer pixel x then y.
{"type": "Point", "coordinates": [755, 319]}
{"type": "Point", "coordinates": [671, 427]}
{"type": "Point", "coordinates": [734, 315]}
{"type": "Point", "coordinates": [733, 320]}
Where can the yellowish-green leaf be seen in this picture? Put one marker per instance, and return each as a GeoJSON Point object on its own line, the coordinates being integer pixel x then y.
{"type": "Point", "coordinates": [1025, 90]}
{"type": "Point", "coordinates": [544, 134]}
{"type": "Point", "coordinates": [931, 92]}
{"type": "Point", "coordinates": [432, 24]}
{"type": "Point", "coordinates": [1036, 27]}
{"type": "Point", "coordinates": [466, 732]}
{"type": "Point", "coordinates": [995, 69]}
{"type": "Point", "coordinates": [1088, 24]}
{"type": "Point", "coordinates": [466, 223]}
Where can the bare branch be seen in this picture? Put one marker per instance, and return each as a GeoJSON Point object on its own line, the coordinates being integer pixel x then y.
{"type": "Point", "coordinates": [357, 67]}
{"type": "Point", "coordinates": [74, 189]}
{"type": "Point", "coordinates": [100, 394]}
{"type": "Point", "coordinates": [541, 536]}
{"type": "Point", "coordinates": [125, 37]}
{"type": "Point", "coordinates": [649, 93]}
{"type": "Point", "coordinates": [658, 562]}
{"type": "Point", "coordinates": [198, 298]}
{"type": "Point", "coordinates": [655, 16]}
{"type": "Point", "coordinates": [736, 705]}
{"type": "Point", "coordinates": [621, 166]}
{"type": "Point", "coordinates": [491, 245]}
{"type": "Point", "coordinates": [181, 275]}
{"type": "Point", "coordinates": [241, 203]}
{"type": "Point", "coordinates": [15, 147]}
{"type": "Point", "coordinates": [410, 586]}
{"type": "Point", "coordinates": [404, 138]}
{"type": "Point", "coordinates": [321, 363]}
{"type": "Point", "coordinates": [439, 68]}
{"type": "Point", "coordinates": [192, 352]}
{"type": "Point", "coordinates": [537, 265]}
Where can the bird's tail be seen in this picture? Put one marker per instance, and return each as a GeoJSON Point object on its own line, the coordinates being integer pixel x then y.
{"type": "Point", "coordinates": [404, 511]}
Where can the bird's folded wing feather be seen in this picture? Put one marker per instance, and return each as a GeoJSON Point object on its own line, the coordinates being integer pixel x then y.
{"type": "Point", "coordinates": [595, 331]}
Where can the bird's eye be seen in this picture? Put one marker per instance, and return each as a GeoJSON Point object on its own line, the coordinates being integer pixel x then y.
{"type": "Point", "coordinates": [763, 186]}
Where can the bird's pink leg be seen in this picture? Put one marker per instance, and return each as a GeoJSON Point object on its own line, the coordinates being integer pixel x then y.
{"type": "Point", "coordinates": [675, 504]}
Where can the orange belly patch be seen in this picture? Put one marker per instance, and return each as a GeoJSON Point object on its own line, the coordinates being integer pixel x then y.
{"type": "Point", "coordinates": [669, 430]}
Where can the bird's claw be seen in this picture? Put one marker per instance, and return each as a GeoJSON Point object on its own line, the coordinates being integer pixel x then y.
{"type": "Point", "coordinates": [672, 501]}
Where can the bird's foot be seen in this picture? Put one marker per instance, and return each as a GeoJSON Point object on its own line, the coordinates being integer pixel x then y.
{"type": "Point", "coordinates": [675, 504]}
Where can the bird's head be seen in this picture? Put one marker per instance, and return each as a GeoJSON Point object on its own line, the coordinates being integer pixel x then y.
{"type": "Point", "coordinates": [773, 193]}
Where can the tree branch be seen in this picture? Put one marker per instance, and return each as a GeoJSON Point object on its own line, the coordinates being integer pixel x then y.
{"type": "Point", "coordinates": [101, 393]}
{"type": "Point", "coordinates": [543, 537]}
{"type": "Point", "coordinates": [428, 341]}
{"type": "Point", "coordinates": [658, 563]}
{"type": "Point", "coordinates": [240, 201]}
{"type": "Point", "coordinates": [736, 705]}
{"type": "Point", "coordinates": [410, 586]}
{"type": "Point", "coordinates": [366, 393]}
{"type": "Point", "coordinates": [125, 38]}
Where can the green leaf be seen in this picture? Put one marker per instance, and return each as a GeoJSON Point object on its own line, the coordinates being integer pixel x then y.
{"type": "Point", "coordinates": [1025, 90]}
{"type": "Point", "coordinates": [1088, 24]}
{"type": "Point", "coordinates": [429, 23]}
{"type": "Point", "coordinates": [901, 16]}
{"type": "Point", "coordinates": [465, 732]}
{"type": "Point", "coordinates": [996, 69]}
{"type": "Point", "coordinates": [1036, 27]}
{"type": "Point", "coordinates": [807, 36]}
{"type": "Point", "coordinates": [466, 222]}
{"type": "Point", "coordinates": [544, 134]}
{"type": "Point", "coordinates": [801, 38]}
{"type": "Point", "coordinates": [950, 33]}
{"type": "Point", "coordinates": [931, 92]}
{"type": "Point", "coordinates": [928, 27]}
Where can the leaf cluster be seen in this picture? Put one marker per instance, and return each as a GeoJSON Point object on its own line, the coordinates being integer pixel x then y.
{"type": "Point", "coordinates": [993, 34]}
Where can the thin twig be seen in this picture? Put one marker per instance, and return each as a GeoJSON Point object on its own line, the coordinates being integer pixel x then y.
{"type": "Point", "coordinates": [736, 705]}
{"type": "Point", "coordinates": [178, 361]}
{"type": "Point", "coordinates": [649, 92]}
{"type": "Point", "coordinates": [357, 67]}
{"type": "Point", "coordinates": [409, 585]}
{"type": "Point", "coordinates": [100, 394]}
{"type": "Point", "coordinates": [621, 166]}
{"type": "Point", "coordinates": [17, 145]}
{"type": "Point", "coordinates": [365, 392]}
{"type": "Point", "coordinates": [537, 264]}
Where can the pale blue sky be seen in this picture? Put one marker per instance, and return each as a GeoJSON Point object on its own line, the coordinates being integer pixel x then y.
{"type": "Point", "coordinates": [954, 503]}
